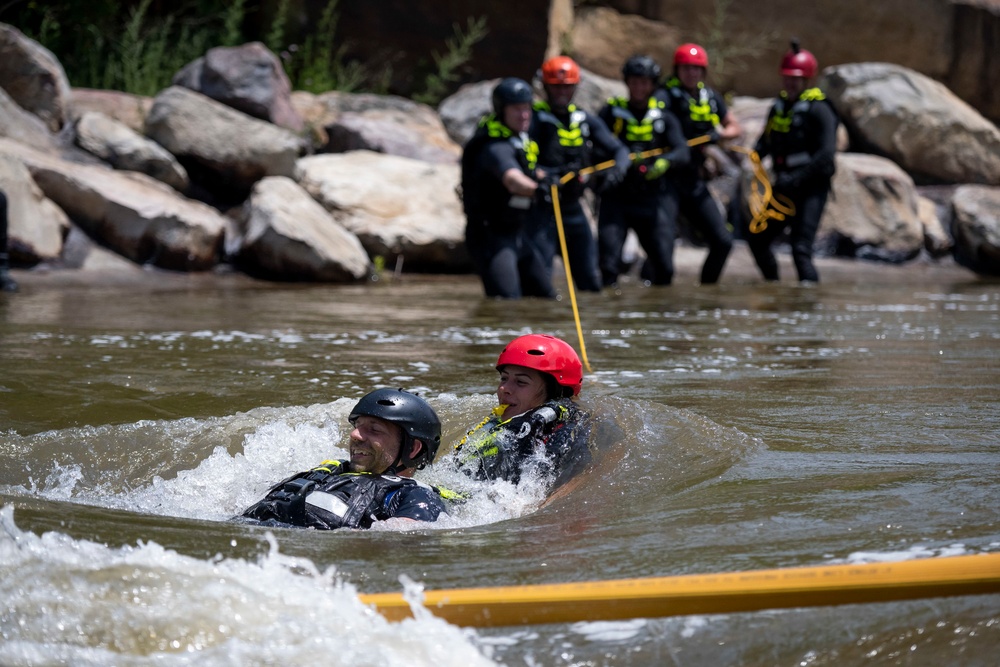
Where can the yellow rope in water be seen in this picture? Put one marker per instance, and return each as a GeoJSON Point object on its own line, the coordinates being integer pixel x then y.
{"type": "Point", "coordinates": [569, 274]}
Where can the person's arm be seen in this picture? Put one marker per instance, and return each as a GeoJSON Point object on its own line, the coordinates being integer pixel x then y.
{"type": "Point", "coordinates": [763, 145]}
{"type": "Point", "coordinates": [729, 127]}
{"type": "Point", "coordinates": [416, 502]}
{"type": "Point", "coordinates": [500, 160]}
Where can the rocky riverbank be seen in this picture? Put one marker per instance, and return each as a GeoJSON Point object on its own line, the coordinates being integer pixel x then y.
{"type": "Point", "coordinates": [228, 169]}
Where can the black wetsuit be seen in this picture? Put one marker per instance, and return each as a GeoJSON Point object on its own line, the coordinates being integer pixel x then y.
{"type": "Point", "coordinates": [699, 113]}
{"type": "Point", "coordinates": [505, 257]}
{"type": "Point", "coordinates": [550, 440]}
{"type": "Point", "coordinates": [801, 138]}
{"type": "Point", "coordinates": [568, 141]}
{"type": "Point", "coordinates": [329, 497]}
{"type": "Point", "coordinates": [647, 205]}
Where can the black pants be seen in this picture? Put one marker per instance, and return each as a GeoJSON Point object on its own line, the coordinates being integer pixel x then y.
{"type": "Point", "coordinates": [509, 264]}
{"type": "Point", "coordinates": [580, 244]}
{"type": "Point", "coordinates": [809, 203]}
{"type": "Point", "coordinates": [701, 210]}
{"type": "Point", "coordinates": [3, 222]}
{"type": "Point", "coordinates": [653, 216]}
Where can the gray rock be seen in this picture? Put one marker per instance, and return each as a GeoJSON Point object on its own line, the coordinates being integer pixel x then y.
{"type": "Point", "coordinates": [977, 228]}
{"type": "Point", "coordinates": [33, 77]}
{"type": "Point", "coordinates": [872, 211]}
{"type": "Point", "coordinates": [36, 226]}
{"type": "Point", "coordinates": [248, 78]}
{"type": "Point", "coordinates": [220, 147]}
{"type": "Point", "coordinates": [400, 208]}
{"type": "Point", "coordinates": [286, 235]}
{"type": "Point", "coordinates": [124, 149]}
{"type": "Point", "coordinates": [131, 213]}
{"type": "Point", "coordinates": [916, 122]}
{"type": "Point", "coordinates": [25, 127]}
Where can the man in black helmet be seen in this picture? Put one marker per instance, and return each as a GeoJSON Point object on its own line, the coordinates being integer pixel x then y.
{"type": "Point", "coordinates": [498, 189]}
{"type": "Point", "coordinates": [395, 433]}
{"type": "Point", "coordinates": [646, 200]}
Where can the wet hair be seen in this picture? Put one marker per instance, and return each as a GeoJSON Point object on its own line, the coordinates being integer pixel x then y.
{"type": "Point", "coordinates": [554, 390]}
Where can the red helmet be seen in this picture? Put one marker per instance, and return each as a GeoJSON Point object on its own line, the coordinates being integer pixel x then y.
{"type": "Point", "coordinates": [546, 354]}
{"type": "Point", "coordinates": [799, 62]}
{"type": "Point", "coordinates": [561, 69]}
{"type": "Point", "coordinates": [691, 54]}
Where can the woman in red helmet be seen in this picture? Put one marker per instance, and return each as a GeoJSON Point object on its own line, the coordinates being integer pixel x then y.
{"type": "Point", "coordinates": [801, 138]}
{"type": "Point", "coordinates": [537, 424]}
{"type": "Point", "coordinates": [702, 113]}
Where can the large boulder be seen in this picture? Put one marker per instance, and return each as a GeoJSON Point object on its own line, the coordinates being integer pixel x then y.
{"type": "Point", "coordinates": [952, 41]}
{"type": "Point", "coordinates": [461, 111]}
{"type": "Point", "coordinates": [286, 235]}
{"type": "Point", "coordinates": [23, 126]}
{"type": "Point", "coordinates": [977, 228]}
{"type": "Point", "coordinates": [400, 208]}
{"type": "Point", "coordinates": [916, 122]}
{"type": "Point", "coordinates": [248, 78]}
{"type": "Point", "coordinates": [224, 150]}
{"type": "Point", "coordinates": [133, 214]}
{"type": "Point", "coordinates": [122, 148]}
{"type": "Point", "coordinates": [872, 211]}
{"type": "Point", "coordinates": [383, 123]}
{"type": "Point", "coordinates": [33, 77]}
{"type": "Point", "coordinates": [603, 39]}
{"type": "Point", "coordinates": [128, 109]}
{"type": "Point", "coordinates": [36, 226]}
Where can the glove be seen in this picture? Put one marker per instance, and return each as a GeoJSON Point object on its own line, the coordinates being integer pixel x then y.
{"type": "Point", "coordinates": [713, 136]}
{"type": "Point", "coordinates": [657, 169]}
{"type": "Point", "coordinates": [616, 174]}
{"type": "Point", "coordinates": [543, 193]}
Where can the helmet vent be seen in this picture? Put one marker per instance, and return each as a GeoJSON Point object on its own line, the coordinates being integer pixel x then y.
{"type": "Point", "coordinates": [537, 353]}
{"type": "Point", "coordinates": [386, 402]}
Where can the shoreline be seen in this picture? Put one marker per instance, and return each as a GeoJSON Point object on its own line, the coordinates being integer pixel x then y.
{"type": "Point", "coordinates": [740, 269]}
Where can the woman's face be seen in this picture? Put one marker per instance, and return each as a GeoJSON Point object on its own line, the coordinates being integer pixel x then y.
{"type": "Point", "coordinates": [521, 389]}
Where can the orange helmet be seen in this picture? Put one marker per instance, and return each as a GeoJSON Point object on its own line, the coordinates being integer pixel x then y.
{"type": "Point", "coordinates": [561, 69]}
{"type": "Point", "coordinates": [691, 54]}
{"type": "Point", "coordinates": [546, 354]}
{"type": "Point", "coordinates": [799, 62]}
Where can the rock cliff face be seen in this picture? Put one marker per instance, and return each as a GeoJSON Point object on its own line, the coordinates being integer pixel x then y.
{"type": "Point", "coordinates": [956, 42]}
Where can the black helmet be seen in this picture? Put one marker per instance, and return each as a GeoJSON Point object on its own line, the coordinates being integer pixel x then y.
{"type": "Point", "coordinates": [412, 414]}
{"type": "Point", "coordinates": [510, 91]}
{"type": "Point", "coordinates": [641, 66]}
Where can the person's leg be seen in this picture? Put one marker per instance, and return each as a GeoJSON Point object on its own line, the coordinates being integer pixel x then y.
{"type": "Point", "coordinates": [760, 246]}
{"type": "Point", "coordinates": [536, 276]}
{"type": "Point", "coordinates": [809, 211]}
{"type": "Point", "coordinates": [582, 250]}
{"type": "Point", "coordinates": [709, 221]}
{"type": "Point", "coordinates": [611, 231]}
{"type": "Point", "coordinates": [656, 226]}
{"type": "Point", "coordinates": [495, 261]}
{"type": "Point", "coordinates": [541, 233]}
{"type": "Point", "coordinates": [7, 284]}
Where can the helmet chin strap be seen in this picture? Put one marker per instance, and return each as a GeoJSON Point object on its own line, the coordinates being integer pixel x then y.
{"type": "Point", "coordinates": [398, 465]}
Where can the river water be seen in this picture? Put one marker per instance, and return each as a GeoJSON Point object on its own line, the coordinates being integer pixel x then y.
{"type": "Point", "coordinates": [739, 426]}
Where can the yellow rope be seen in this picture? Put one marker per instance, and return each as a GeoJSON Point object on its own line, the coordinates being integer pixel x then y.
{"type": "Point", "coordinates": [569, 274]}
{"type": "Point", "coordinates": [764, 204]}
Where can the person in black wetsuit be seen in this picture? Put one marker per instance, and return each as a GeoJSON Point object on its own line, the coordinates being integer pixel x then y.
{"type": "Point", "coordinates": [704, 117]}
{"type": "Point", "coordinates": [647, 199]}
{"type": "Point", "coordinates": [801, 137]}
{"type": "Point", "coordinates": [7, 284]}
{"type": "Point", "coordinates": [537, 427]}
{"type": "Point", "coordinates": [395, 433]}
{"type": "Point", "coordinates": [498, 189]}
{"type": "Point", "coordinates": [570, 139]}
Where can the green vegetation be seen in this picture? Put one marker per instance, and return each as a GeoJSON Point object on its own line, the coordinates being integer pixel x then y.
{"type": "Point", "coordinates": [728, 46]}
{"type": "Point", "coordinates": [122, 45]}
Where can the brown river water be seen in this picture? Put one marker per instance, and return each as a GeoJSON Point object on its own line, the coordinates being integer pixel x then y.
{"type": "Point", "coordinates": [740, 426]}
